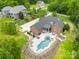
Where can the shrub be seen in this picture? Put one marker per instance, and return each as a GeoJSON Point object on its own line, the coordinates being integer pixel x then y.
{"type": "Point", "coordinates": [66, 27]}
{"type": "Point", "coordinates": [9, 49]}
{"type": "Point", "coordinates": [8, 26]}
{"type": "Point", "coordinates": [21, 16]}
{"type": "Point", "coordinates": [41, 13]}
{"type": "Point", "coordinates": [28, 18]}
{"type": "Point", "coordinates": [60, 8]}
{"type": "Point", "coordinates": [75, 19]}
{"type": "Point", "coordinates": [52, 6]}
{"type": "Point", "coordinates": [54, 14]}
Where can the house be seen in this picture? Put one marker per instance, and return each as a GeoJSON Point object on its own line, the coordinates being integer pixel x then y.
{"type": "Point", "coordinates": [21, 8]}
{"type": "Point", "coordinates": [49, 24]}
{"type": "Point", "coordinates": [40, 4]}
{"type": "Point", "coordinates": [6, 10]}
{"type": "Point", "coordinates": [48, 35]}
{"type": "Point", "coordinates": [14, 11]}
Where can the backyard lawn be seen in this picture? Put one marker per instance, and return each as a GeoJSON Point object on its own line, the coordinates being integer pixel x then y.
{"type": "Point", "coordinates": [65, 50]}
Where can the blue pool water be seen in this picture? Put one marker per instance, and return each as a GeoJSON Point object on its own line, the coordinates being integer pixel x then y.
{"type": "Point", "coordinates": [44, 43]}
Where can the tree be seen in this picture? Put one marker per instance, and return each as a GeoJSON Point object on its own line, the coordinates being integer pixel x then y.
{"type": "Point", "coordinates": [34, 13]}
{"type": "Point", "coordinates": [28, 18]}
{"type": "Point", "coordinates": [47, 1]}
{"type": "Point", "coordinates": [11, 3]}
{"type": "Point", "coordinates": [32, 1]}
{"type": "Point", "coordinates": [60, 8]}
{"type": "Point", "coordinates": [21, 16]}
{"type": "Point", "coordinates": [10, 43]}
{"type": "Point", "coordinates": [24, 2]}
{"type": "Point", "coordinates": [74, 19]}
{"type": "Point", "coordinates": [4, 3]}
{"type": "Point", "coordinates": [66, 27]}
{"type": "Point", "coordinates": [77, 19]}
{"type": "Point", "coordinates": [76, 44]}
{"type": "Point", "coordinates": [73, 8]}
{"type": "Point", "coordinates": [53, 6]}
{"type": "Point", "coordinates": [9, 49]}
{"type": "Point", "coordinates": [27, 5]}
{"type": "Point", "coordinates": [8, 26]}
{"type": "Point", "coordinates": [42, 13]}
{"type": "Point", "coordinates": [54, 13]}
{"type": "Point", "coordinates": [4, 54]}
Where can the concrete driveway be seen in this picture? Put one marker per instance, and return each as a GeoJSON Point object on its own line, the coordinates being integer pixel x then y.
{"type": "Point", "coordinates": [26, 27]}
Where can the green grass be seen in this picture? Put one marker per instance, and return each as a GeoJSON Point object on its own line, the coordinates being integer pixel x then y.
{"type": "Point", "coordinates": [67, 21]}
{"type": "Point", "coordinates": [33, 6]}
{"type": "Point", "coordinates": [20, 38]}
{"type": "Point", "coordinates": [20, 22]}
{"type": "Point", "coordinates": [22, 56]}
{"type": "Point", "coordinates": [65, 50]}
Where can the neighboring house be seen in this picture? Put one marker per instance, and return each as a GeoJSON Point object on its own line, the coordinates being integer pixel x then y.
{"type": "Point", "coordinates": [14, 11]}
{"type": "Point", "coordinates": [49, 23]}
{"type": "Point", "coordinates": [6, 10]}
{"type": "Point", "coordinates": [21, 8]}
{"type": "Point", "coordinates": [40, 4]}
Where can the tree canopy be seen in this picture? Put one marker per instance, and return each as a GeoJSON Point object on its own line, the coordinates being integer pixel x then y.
{"type": "Point", "coordinates": [10, 40]}
{"type": "Point", "coordinates": [7, 26]}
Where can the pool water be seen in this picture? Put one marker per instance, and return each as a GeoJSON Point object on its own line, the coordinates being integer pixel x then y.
{"type": "Point", "coordinates": [44, 43]}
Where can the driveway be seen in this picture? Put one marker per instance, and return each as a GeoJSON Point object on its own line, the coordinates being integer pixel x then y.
{"type": "Point", "coordinates": [26, 27]}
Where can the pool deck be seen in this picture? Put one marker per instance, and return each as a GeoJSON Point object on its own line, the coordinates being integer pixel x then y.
{"type": "Point", "coordinates": [36, 41]}
{"type": "Point", "coordinates": [47, 54]}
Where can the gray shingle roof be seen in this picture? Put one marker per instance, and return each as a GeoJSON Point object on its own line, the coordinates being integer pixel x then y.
{"type": "Point", "coordinates": [17, 9]}
{"type": "Point", "coordinates": [14, 10]}
{"type": "Point", "coordinates": [20, 7]}
{"type": "Point", "coordinates": [40, 2]}
{"type": "Point", "coordinates": [7, 8]}
{"type": "Point", "coordinates": [50, 20]}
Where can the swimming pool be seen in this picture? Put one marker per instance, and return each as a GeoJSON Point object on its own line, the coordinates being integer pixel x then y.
{"type": "Point", "coordinates": [44, 43]}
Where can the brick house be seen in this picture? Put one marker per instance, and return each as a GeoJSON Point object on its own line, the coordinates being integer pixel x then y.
{"type": "Point", "coordinates": [49, 24]}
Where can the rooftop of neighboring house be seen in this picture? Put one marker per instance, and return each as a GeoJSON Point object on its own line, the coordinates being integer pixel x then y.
{"type": "Point", "coordinates": [46, 22]}
{"type": "Point", "coordinates": [15, 9]}
{"type": "Point", "coordinates": [6, 8]}
{"type": "Point", "coordinates": [20, 7]}
{"type": "Point", "coordinates": [40, 2]}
